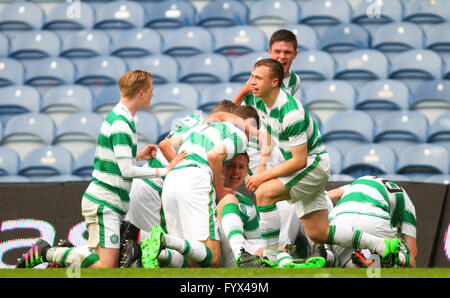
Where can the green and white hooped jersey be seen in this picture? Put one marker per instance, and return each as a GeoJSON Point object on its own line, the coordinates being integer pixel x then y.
{"type": "Point", "coordinates": [117, 139]}
{"type": "Point", "coordinates": [374, 196]}
{"type": "Point", "coordinates": [249, 216]}
{"type": "Point", "coordinates": [289, 124]}
{"type": "Point", "coordinates": [205, 137]}
{"type": "Point", "coordinates": [291, 84]}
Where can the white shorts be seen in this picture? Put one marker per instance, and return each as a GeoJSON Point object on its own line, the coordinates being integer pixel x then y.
{"type": "Point", "coordinates": [307, 187]}
{"type": "Point", "coordinates": [188, 200]}
{"type": "Point", "coordinates": [102, 224]}
{"type": "Point", "coordinates": [144, 210]}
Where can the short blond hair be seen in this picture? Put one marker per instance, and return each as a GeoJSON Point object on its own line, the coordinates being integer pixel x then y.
{"type": "Point", "coordinates": [133, 81]}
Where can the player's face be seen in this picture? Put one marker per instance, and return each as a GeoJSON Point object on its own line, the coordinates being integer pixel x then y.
{"type": "Point", "coordinates": [261, 81]}
{"type": "Point", "coordinates": [147, 97]}
{"type": "Point", "coordinates": [235, 171]}
{"type": "Point", "coordinates": [284, 53]}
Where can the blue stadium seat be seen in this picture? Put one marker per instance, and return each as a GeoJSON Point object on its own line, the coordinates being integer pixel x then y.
{"type": "Point", "coordinates": [26, 132]}
{"type": "Point", "coordinates": [188, 41]}
{"type": "Point", "coordinates": [374, 14]}
{"type": "Point", "coordinates": [381, 97]}
{"type": "Point", "coordinates": [422, 12]}
{"type": "Point", "coordinates": [307, 38]}
{"type": "Point", "coordinates": [164, 68]}
{"type": "Point", "coordinates": [421, 161]}
{"type": "Point", "coordinates": [243, 65]}
{"type": "Point", "coordinates": [205, 68]}
{"type": "Point", "coordinates": [61, 101]}
{"type": "Point", "coordinates": [14, 179]}
{"type": "Point", "coordinates": [106, 99]}
{"type": "Point", "coordinates": [101, 70]}
{"type": "Point", "coordinates": [170, 14]}
{"type": "Point", "coordinates": [345, 37]}
{"type": "Point", "coordinates": [45, 162]}
{"type": "Point", "coordinates": [362, 66]}
{"type": "Point", "coordinates": [9, 161]}
{"type": "Point", "coordinates": [137, 42]}
{"type": "Point", "coordinates": [21, 16]}
{"type": "Point", "coordinates": [120, 15]}
{"type": "Point", "coordinates": [67, 16]}
{"type": "Point", "coordinates": [416, 66]}
{"type": "Point", "coordinates": [336, 159]}
{"type": "Point", "coordinates": [240, 40]}
{"type": "Point", "coordinates": [432, 98]}
{"type": "Point", "coordinates": [321, 14]}
{"type": "Point", "coordinates": [169, 123]}
{"type": "Point", "coordinates": [147, 128]}
{"type": "Point", "coordinates": [328, 97]}
{"type": "Point", "coordinates": [313, 66]}
{"type": "Point", "coordinates": [281, 12]}
{"type": "Point", "coordinates": [437, 38]}
{"type": "Point", "coordinates": [50, 71]}
{"type": "Point", "coordinates": [18, 99]}
{"type": "Point", "coordinates": [11, 72]}
{"type": "Point", "coordinates": [401, 129]}
{"type": "Point", "coordinates": [35, 44]}
{"type": "Point", "coordinates": [173, 97]}
{"type": "Point", "coordinates": [439, 132]}
{"type": "Point", "coordinates": [223, 14]}
{"type": "Point", "coordinates": [216, 93]}
{"type": "Point", "coordinates": [4, 45]}
{"type": "Point", "coordinates": [369, 159]}
{"type": "Point", "coordinates": [439, 179]}
{"type": "Point", "coordinates": [398, 37]}
{"type": "Point", "coordinates": [84, 164]}
{"type": "Point", "coordinates": [86, 44]}
{"type": "Point", "coordinates": [78, 131]}
{"type": "Point", "coordinates": [346, 129]}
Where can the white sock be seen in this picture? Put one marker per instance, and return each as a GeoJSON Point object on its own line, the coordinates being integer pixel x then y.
{"type": "Point", "coordinates": [283, 258]}
{"type": "Point", "coordinates": [350, 237]}
{"type": "Point", "coordinates": [269, 224]}
{"type": "Point", "coordinates": [194, 250]}
{"type": "Point", "coordinates": [66, 256]}
{"type": "Point", "coordinates": [172, 258]}
{"type": "Point", "coordinates": [233, 227]}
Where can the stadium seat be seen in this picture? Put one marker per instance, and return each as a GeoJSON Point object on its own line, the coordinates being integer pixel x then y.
{"type": "Point", "coordinates": [439, 132]}
{"type": "Point", "coordinates": [18, 99]}
{"type": "Point", "coordinates": [9, 161]}
{"type": "Point", "coordinates": [62, 178]}
{"type": "Point", "coordinates": [78, 131]}
{"type": "Point", "coordinates": [45, 162]}
{"type": "Point", "coordinates": [106, 99]}
{"type": "Point", "coordinates": [14, 179]}
{"type": "Point", "coordinates": [217, 92]}
{"type": "Point", "coordinates": [173, 97]}
{"type": "Point", "coordinates": [313, 66]}
{"type": "Point", "coordinates": [29, 131]}
{"type": "Point", "coordinates": [35, 44]}
{"type": "Point", "coordinates": [50, 71]}
{"type": "Point", "coordinates": [85, 44]}
{"type": "Point", "coordinates": [328, 97]}
{"type": "Point", "coordinates": [437, 39]}
{"type": "Point", "coordinates": [307, 38]}
{"type": "Point", "coordinates": [101, 70]}
{"type": "Point", "coordinates": [374, 14]}
{"type": "Point", "coordinates": [416, 66]}
{"type": "Point", "coordinates": [21, 16]}
{"type": "Point", "coordinates": [169, 122]}
{"type": "Point", "coordinates": [314, 117]}
{"type": "Point", "coordinates": [240, 40]}
{"type": "Point", "coordinates": [432, 98]}
{"type": "Point", "coordinates": [439, 179]}
{"type": "Point", "coordinates": [169, 14]}
{"type": "Point", "coordinates": [269, 15]}
{"type": "Point", "coordinates": [147, 128]}
{"type": "Point", "coordinates": [346, 129]}
{"type": "Point", "coordinates": [164, 68]}
{"type": "Point", "coordinates": [204, 69]}
{"type": "Point", "coordinates": [137, 42]}
{"type": "Point", "coordinates": [381, 97]}
{"type": "Point", "coordinates": [362, 66]}
{"type": "Point", "coordinates": [345, 37]}
{"type": "Point", "coordinates": [401, 129]}
{"type": "Point", "coordinates": [243, 65]}
{"type": "Point", "coordinates": [4, 45]}
{"type": "Point", "coordinates": [120, 15]}
{"type": "Point", "coordinates": [67, 16]}
{"type": "Point", "coordinates": [421, 161]}
{"type": "Point", "coordinates": [61, 101]}
{"type": "Point", "coordinates": [11, 72]}
{"type": "Point", "coordinates": [427, 12]}
{"type": "Point", "coordinates": [84, 163]}
{"type": "Point", "coordinates": [397, 37]}
{"type": "Point", "coordinates": [188, 41]}
{"type": "Point", "coordinates": [223, 14]}
{"type": "Point", "coordinates": [369, 159]}
{"type": "Point", "coordinates": [336, 159]}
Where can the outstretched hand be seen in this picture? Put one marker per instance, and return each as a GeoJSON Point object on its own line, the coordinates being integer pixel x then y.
{"type": "Point", "coordinates": [176, 160]}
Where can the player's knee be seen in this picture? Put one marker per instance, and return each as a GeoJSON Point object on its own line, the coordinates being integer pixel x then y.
{"type": "Point", "coordinates": [317, 235]}
{"type": "Point", "coordinates": [263, 197]}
